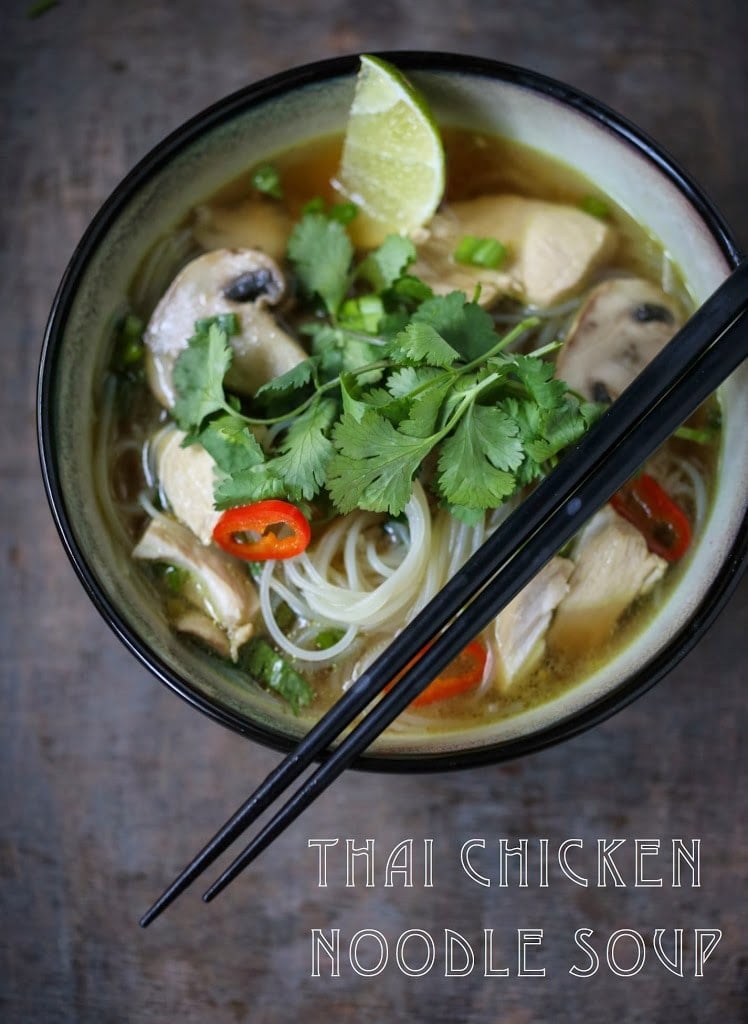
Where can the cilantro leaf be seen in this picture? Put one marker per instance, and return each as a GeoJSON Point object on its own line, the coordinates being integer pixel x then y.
{"type": "Point", "coordinates": [292, 380]}
{"type": "Point", "coordinates": [256, 483]}
{"type": "Point", "coordinates": [267, 179]}
{"type": "Point", "coordinates": [340, 351]}
{"type": "Point", "coordinates": [409, 290]}
{"type": "Point", "coordinates": [471, 459]}
{"type": "Point", "coordinates": [537, 376]}
{"type": "Point", "coordinates": [406, 379]}
{"type": "Point", "coordinates": [374, 465]}
{"type": "Point", "coordinates": [382, 267]}
{"type": "Point", "coordinates": [463, 325]}
{"type": "Point", "coordinates": [198, 377]}
{"type": "Point", "coordinates": [306, 450]}
{"type": "Point", "coordinates": [232, 445]}
{"type": "Point", "coordinates": [423, 416]}
{"type": "Point", "coordinates": [561, 427]}
{"type": "Point", "coordinates": [466, 514]}
{"type": "Point", "coordinates": [421, 343]}
{"type": "Point", "coordinates": [321, 252]}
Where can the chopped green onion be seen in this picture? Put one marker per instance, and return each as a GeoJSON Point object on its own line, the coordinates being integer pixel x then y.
{"type": "Point", "coordinates": [267, 180]}
{"type": "Point", "coordinates": [480, 252]}
{"type": "Point", "coordinates": [174, 577]}
{"type": "Point", "coordinates": [595, 206]}
{"type": "Point", "coordinates": [129, 349]}
{"type": "Point", "coordinates": [410, 287]}
{"type": "Point", "coordinates": [704, 436]}
{"type": "Point", "coordinates": [327, 638]}
{"type": "Point", "coordinates": [362, 314]}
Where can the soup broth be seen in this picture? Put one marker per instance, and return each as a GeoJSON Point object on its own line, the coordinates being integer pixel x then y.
{"type": "Point", "coordinates": [130, 416]}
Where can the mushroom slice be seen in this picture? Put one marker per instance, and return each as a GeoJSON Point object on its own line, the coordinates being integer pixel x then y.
{"type": "Point", "coordinates": [218, 586]}
{"type": "Point", "coordinates": [622, 325]}
{"type": "Point", "coordinates": [552, 248]}
{"type": "Point", "coordinates": [186, 477]}
{"type": "Point", "coordinates": [240, 281]}
{"type": "Point", "coordinates": [612, 567]}
{"type": "Point", "coordinates": [198, 624]}
{"type": "Point", "coordinates": [520, 629]}
{"type": "Point", "coordinates": [249, 224]}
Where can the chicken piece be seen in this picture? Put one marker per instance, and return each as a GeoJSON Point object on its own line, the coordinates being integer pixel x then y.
{"type": "Point", "coordinates": [622, 325]}
{"type": "Point", "coordinates": [186, 477]}
{"type": "Point", "coordinates": [240, 281]}
{"type": "Point", "coordinates": [250, 224]}
{"type": "Point", "coordinates": [612, 567]}
{"type": "Point", "coordinates": [218, 585]}
{"type": "Point", "coordinates": [552, 248]}
{"type": "Point", "coordinates": [520, 629]}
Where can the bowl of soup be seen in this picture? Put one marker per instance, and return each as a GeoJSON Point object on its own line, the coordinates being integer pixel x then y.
{"type": "Point", "coordinates": [193, 370]}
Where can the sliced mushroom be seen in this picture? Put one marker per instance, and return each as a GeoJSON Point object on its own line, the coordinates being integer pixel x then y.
{"type": "Point", "coordinates": [240, 281]}
{"type": "Point", "coordinates": [520, 629]}
{"type": "Point", "coordinates": [622, 325]}
{"type": "Point", "coordinates": [218, 585]}
{"type": "Point", "coordinates": [249, 224]}
{"type": "Point", "coordinates": [612, 567]}
{"type": "Point", "coordinates": [552, 248]}
{"type": "Point", "coordinates": [198, 624]}
{"type": "Point", "coordinates": [186, 479]}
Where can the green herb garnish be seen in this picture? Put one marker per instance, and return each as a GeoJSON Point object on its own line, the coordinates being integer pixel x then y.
{"type": "Point", "coordinates": [343, 213]}
{"type": "Point", "coordinates": [266, 179]}
{"type": "Point", "coordinates": [327, 638]}
{"type": "Point", "coordinates": [273, 672]}
{"type": "Point", "coordinates": [174, 577]}
{"type": "Point", "coordinates": [396, 376]}
{"type": "Point", "coordinates": [595, 206]}
{"type": "Point", "coordinates": [129, 350]}
{"type": "Point", "coordinates": [480, 252]}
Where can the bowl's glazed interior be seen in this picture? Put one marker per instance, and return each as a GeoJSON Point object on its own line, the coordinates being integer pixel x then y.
{"type": "Point", "coordinates": [213, 149]}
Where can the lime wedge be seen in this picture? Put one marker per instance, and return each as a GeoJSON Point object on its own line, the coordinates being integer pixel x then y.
{"type": "Point", "coordinates": [392, 166]}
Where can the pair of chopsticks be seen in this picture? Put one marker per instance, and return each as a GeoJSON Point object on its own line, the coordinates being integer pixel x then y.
{"type": "Point", "coordinates": [705, 351]}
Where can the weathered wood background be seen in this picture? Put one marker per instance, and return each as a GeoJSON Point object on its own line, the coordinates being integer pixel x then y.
{"type": "Point", "coordinates": [109, 782]}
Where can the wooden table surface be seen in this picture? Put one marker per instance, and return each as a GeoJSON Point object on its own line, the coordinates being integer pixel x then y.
{"type": "Point", "coordinates": [109, 782]}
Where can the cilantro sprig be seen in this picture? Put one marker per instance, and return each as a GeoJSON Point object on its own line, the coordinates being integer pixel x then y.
{"type": "Point", "coordinates": [400, 383]}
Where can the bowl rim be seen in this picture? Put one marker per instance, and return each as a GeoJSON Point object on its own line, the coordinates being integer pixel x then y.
{"type": "Point", "coordinates": [189, 132]}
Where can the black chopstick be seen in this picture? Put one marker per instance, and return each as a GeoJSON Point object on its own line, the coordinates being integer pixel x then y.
{"type": "Point", "coordinates": [704, 377]}
{"type": "Point", "coordinates": [570, 494]}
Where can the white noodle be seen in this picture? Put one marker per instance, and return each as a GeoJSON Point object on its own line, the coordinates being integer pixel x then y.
{"type": "Point", "coordinates": [355, 599]}
{"type": "Point", "coordinates": [302, 654]}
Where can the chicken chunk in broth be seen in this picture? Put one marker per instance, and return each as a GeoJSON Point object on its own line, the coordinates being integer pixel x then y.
{"type": "Point", "coordinates": [325, 434]}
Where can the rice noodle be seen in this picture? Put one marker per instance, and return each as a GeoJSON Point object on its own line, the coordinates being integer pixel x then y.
{"type": "Point", "coordinates": [346, 580]}
{"type": "Point", "coordinates": [343, 581]}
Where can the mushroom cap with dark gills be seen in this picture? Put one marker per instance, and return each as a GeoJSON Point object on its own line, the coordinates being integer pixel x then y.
{"type": "Point", "coordinates": [620, 327]}
{"type": "Point", "coordinates": [245, 282]}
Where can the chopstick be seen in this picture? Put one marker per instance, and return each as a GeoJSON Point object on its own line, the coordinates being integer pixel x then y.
{"type": "Point", "coordinates": [707, 349]}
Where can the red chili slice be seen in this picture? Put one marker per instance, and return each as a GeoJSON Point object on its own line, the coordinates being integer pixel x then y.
{"type": "Point", "coordinates": [653, 512]}
{"type": "Point", "coordinates": [262, 531]}
{"type": "Point", "coordinates": [462, 674]}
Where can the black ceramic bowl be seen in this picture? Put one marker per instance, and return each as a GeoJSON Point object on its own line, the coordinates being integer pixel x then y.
{"type": "Point", "coordinates": [212, 149]}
